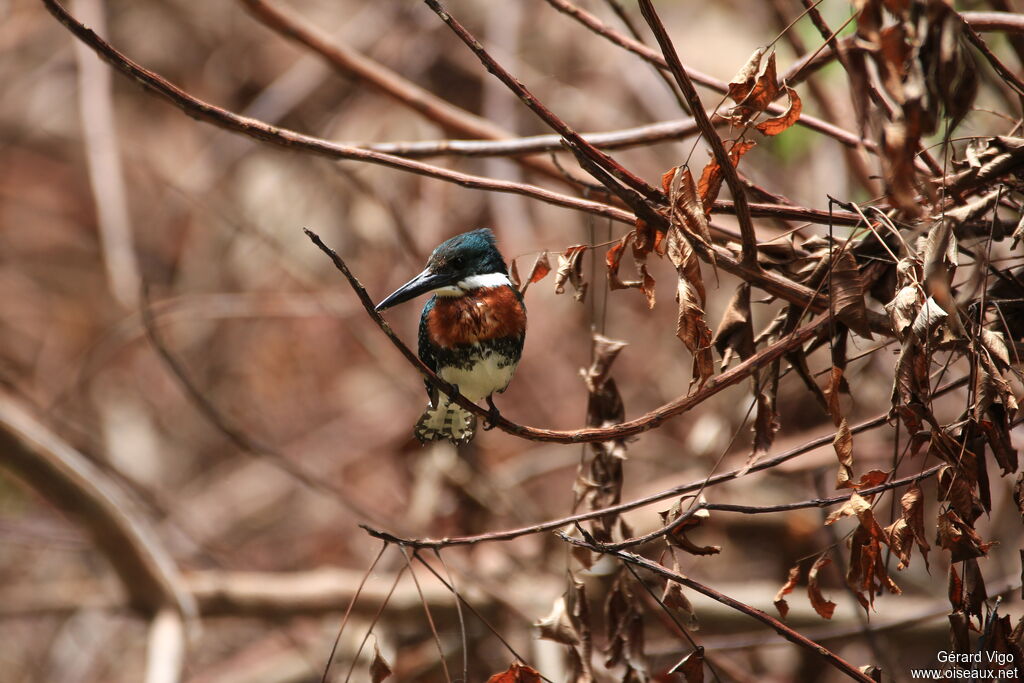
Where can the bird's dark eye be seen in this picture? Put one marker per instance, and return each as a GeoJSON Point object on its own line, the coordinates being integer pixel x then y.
{"type": "Point", "coordinates": [457, 261]}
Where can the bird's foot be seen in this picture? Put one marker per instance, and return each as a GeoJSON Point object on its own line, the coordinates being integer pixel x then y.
{"type": "Point", "coordinates": [493, 415]}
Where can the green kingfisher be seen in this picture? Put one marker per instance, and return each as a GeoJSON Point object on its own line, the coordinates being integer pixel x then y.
{"type": "Point", "coordinates": [471, 330]}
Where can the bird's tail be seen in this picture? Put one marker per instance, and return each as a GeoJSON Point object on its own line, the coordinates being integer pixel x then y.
{"type": "Point", "coordinates": [446, 420]}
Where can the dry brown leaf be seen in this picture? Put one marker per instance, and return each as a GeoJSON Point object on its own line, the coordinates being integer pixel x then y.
{"type": "Point", "coordinates": [836, 384]}
{"type": "Point", "coordinates": [955, 589]}
{"type": "Point", "coordinates": [899, 149]}
{"type": "Point", "coordinates": [691, 327]}
{"type": "Point", "coordinates": [903, 309]}
{"type": "Point", "coordinates": [909, 528]}
{"type": "Point", "coordinates": [687, 210]}
{"type": "Point", "coordinates": [856, 506]}
{"type": "Point", "coordinates": [843, 445]}
{"type": "Point", "coordinates": [867, 573]}
{"type": "Point", "coordinates": [557, 626]}
{"type": "Point", "coordinates": [960, 538]}
{"type": "Point", "coordinates": [735, 333]}
{"type": "Point", "coordinates": [541, 267]}
{"type": "Point", "coordinates": [613, 259]}
{"type": "Point", "coordinates": [517, 673]}
{"type": "Point", "coordinates": [975, 593]}
{"type": "Point", "coordinates": [766, 420]}
{"type": "Point", "coordinates": [847, 290]}
{"type": "Point", "coordinates": [675, 599]}
{"type": "Point", "coordinates": [710, 183]}
{"type": "Point", "coordinates": [743, 82]}
{"type": "Point", "coordinates": [958, 490]}
{"type": "Point", "coordinates": [691, 667]}
{"type": "Point", "coordinates": [753, 95]}
{"type": "Point", "coordinates": [940, 263]}
{"type": "Point", "coordinates": [570, 269]}
{"type": "Point", "coordinates": [513, 275]}
{"type": "Point", "coordinates": [823, 607]}
{"type": "Point", "coordinates": [379, 667]}
{"type": "Point", "coordinates": [647, 285]}
{"type": "Point", "coordinates": [646, 239]}
{"type": "Point", "coordinates": [782, 122]}
{"type": "Point", "coordinates": [780, 598]}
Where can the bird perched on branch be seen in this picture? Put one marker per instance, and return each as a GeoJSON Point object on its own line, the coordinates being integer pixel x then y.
{"type": "Point", "coordinates": [471, 330]}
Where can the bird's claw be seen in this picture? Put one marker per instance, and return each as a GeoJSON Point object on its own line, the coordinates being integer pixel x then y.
{"type": "Point", "coordinates": [493, 415]}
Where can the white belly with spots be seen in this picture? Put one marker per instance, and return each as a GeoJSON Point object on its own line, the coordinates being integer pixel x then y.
{"type": "Point", "coordinates": [488, 375]}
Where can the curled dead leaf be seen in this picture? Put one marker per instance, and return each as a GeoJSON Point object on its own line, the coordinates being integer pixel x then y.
{"type": "Point", "coordinates": [541, 267]}
{"type": "Point", "coordinates": [691, 327]}
{"type": "Point", "coordinates": [958, 537]}
{"type": "Point", "coordinates": [735, 333]}
{"type": "Point", "coordinates": [785, 120]}
{"type": "Point", "coordinates": [754, 88]}
{"type": "Point", "coordinates": [743, 82]}
{"type": "Point", "coordinates": [688, 212]}
{"type": "Point", "coordinates": [710, 183]}
{"type": "Point", "coordinates": [675, 599]}
{"type": "Point", "coordinates": [517, 673]}
{"type": "Point", "coordinates": [379, 667]}
{"type": "Point", "coordinates": [843, 445]}
{"type": "Point", "coordinates": [570, 269]}
{"type": "Point", "coordinates": [557, 625]}
{"type": "Point", "coordinates": [691, 667]}
{"type": "Point", "coordinates": [780, 598]}
{"type": "Point", "coordinates": [823, 607]}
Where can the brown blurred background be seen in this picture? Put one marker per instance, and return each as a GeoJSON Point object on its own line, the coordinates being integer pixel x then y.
{"type": "Point", "coordinates": [105, 189]}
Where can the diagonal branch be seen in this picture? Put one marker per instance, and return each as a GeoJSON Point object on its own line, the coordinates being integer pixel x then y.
{"type": "Point", "coordinates": [289, 139]}
{"type": "Point", "coordinates": [597, 26]}
{"type": "Point", "coordinates": [739, 197]}
{"type": "Point", "coordinates": [572, 138]}
{"type": "Point", "coordinates": [346, 60]}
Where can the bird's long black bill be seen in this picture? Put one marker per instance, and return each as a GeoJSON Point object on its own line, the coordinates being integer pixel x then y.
{"type": "Point", "coordinates": [421, 284]}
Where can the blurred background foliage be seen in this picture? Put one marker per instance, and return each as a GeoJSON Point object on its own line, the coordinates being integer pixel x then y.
{"type": "Point", "coordinates": [269, 334]}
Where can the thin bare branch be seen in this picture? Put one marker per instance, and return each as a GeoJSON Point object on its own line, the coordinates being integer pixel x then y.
{"type": "Point", "coordinates": [572, 138]}
{"type": "Point", "coordinates": [103, 159]}
{"type": "Point", "coordinates": [617, 139]}
{"type": "Point", "coordinates": [346, 60]}
{"type": "Point", "coordinates": [282, 137]}
{"type": "Point", "coordinates": [739, 196]}
{"type": "Point", "coordinates": [594, 24]}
